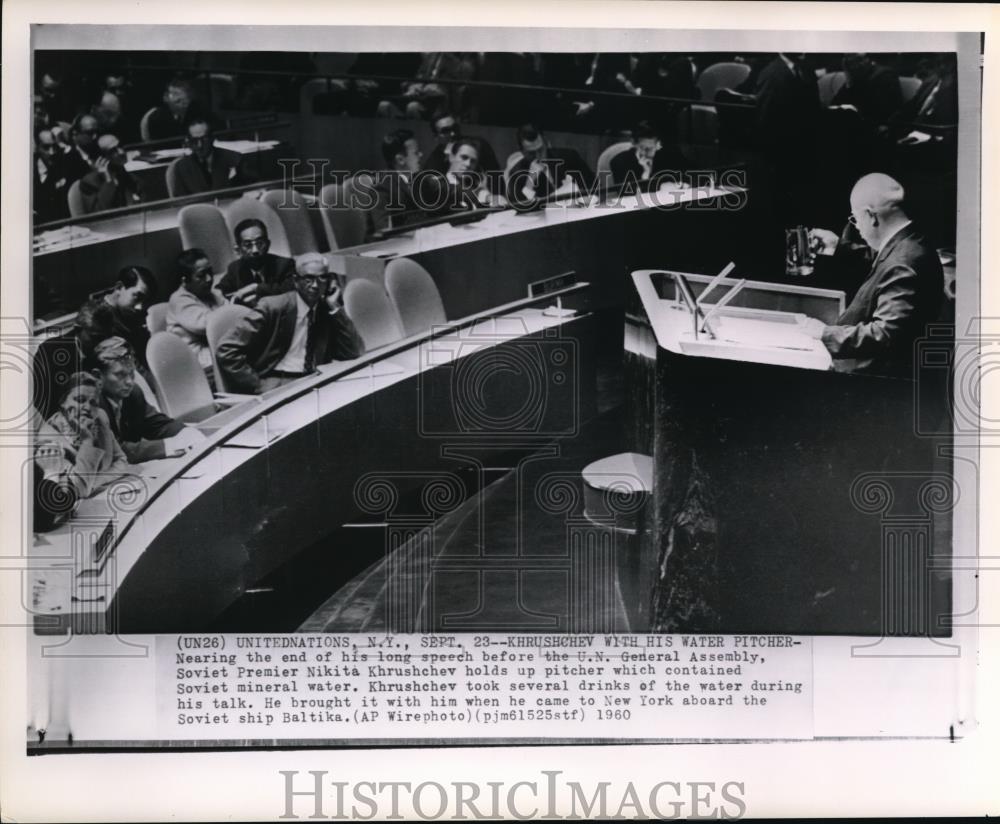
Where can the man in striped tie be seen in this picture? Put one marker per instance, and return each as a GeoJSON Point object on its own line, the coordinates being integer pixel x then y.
{"type": "Point", "coordinates": [287, 335]}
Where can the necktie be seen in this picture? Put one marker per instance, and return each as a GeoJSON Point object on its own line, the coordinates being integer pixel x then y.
{"type": "Point", "coordinates": [309, 363]}
{"type": "Point", "coordinates": [928, 105]}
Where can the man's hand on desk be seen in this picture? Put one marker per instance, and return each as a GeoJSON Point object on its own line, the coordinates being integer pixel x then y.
{"type": "Point", "coordinates": [184, 441]}
{"type": "Point", "coordinates": [813, 328]}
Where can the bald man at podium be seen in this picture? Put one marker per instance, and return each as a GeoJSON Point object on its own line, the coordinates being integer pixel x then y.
{"type": "Point", "coordinates": [901, 295]}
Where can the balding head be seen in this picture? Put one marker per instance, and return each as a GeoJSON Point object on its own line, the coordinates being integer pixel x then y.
{"type": "Point", "coordinates": [877, 207]}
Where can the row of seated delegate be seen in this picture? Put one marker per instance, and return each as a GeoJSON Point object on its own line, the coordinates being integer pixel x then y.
{"type": "Point", "coordinates": [124, 386]}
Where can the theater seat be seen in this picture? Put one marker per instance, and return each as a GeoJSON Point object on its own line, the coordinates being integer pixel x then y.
{"type": "Point", "coordinates": [373, 315]}
{"type": "Point", "coordinates": [293, 211]}
{"type": "Point", "coordinates": [512, 160]}
{"type": "Point", "coordinates": [156, 318]}
{"type": "Point", "coordinates": [909, 87]}
{"type": "Point", "coordinates": [75, 200]}
{"type": "Point", "coordinates": [202, 226]}
{"type": "Point", "coordinates": [221, 321]}
{"type": "Point", "coordinates": [604, 159]}
{"type": "Point", "coordinates": [144, 125]}
{"type": "Point", "coordinates": [721, 76]}
{"type": "Point", "coordinates": [247, 207]}
{"type": "Point", "coordinates": [180, 381]}
{"type": "Point", "coordinates": [415, 296]}
{"type": "Point", "coordinates": [344, 226]}
{"type": "Point", "coordinates": [171, 176]}
{"type": "Point", "coordinates": [828, 86]}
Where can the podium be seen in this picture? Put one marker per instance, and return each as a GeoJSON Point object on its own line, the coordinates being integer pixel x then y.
{"type": "Point", "coordinates": [759, 452]}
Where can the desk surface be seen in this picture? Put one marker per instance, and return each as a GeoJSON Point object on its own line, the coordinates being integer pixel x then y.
{"type": "Point", "coordinates": [133, 510]}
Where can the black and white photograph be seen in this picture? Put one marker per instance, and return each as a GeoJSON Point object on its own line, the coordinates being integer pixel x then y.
{"type": "Point", "coordinates": [629, 388]}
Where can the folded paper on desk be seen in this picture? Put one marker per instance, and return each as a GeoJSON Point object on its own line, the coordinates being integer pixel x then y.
{"type": "Point", "coordinates": [751, 332]}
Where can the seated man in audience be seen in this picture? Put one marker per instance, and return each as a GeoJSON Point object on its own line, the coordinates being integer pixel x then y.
{"type": "Point", "coordinates": [50, 180]}
{"type": "Point", "coordinates": [58, 358]}
{"type": "Point", "coordinates": [871, 90]}
{"type": "Point", "coordinates": [543, 169]}
{"type": "Point", "coordinates": [81, 154]}
{"type": "Point", "coordinates": [903, 292]}
{"type": "Point", "coordinates": [648, 161]}
{"type": "Point", "coordinates": [395, 205]}
{"type": "Point", "coordinates": [462, 187]}
{"type": "Point", "coordinates": [447, 129]}
{"type": "Point", "coordinates": [289, 335]}
{"type": "Point", "coordinates": [178, 111]}
{"type": "Point", "coordinates": [208, 167]}
{"type": "Point", "coordinates": [144, 433]}
{"type": "Point", "coordinates": [75, 446]}
{"type": "Point", "coordinates": [129, 298]}
{"type": "Point", "coordinates": [109, 185]}
{"type": "Point", "coordinates": [193, 302]}
{"type": "Point", "coordinates": [256, 273]}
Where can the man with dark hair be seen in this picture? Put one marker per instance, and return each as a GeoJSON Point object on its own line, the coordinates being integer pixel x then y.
{"type": "Point", "coordinates": [447, 128]}
{"type": "Point", "coordinates": [870, 89]}
{"type": "Point", "coordinates": [50, 181]}
{"type": "Point", "coordinates": [129, 298]}
{"type": "Point", "coordinates": [208, 167]}
{"type": "Point", "coordinates": [255, 273]}
{"type": "Point", "coordinates": [647, 161]}
{"type": "Point", "coordinates": [395, 205]}
{"type": "Point", "coordinates": [81, 153]}
{"type": "Point", "coordinates": [192, 303]}
{"type": "Point", "coordinates": [289, 335]}
{"type": "Point", "coordinates": [58, 358]}
{"type": "Point", "coordinates": [144, 433]}
{"type": "Point", "coordinates": [109, 185]}
{"type": "Point", "coordinates": [179, 109]}
{"type": "Point", "coordinates": [543, 169]}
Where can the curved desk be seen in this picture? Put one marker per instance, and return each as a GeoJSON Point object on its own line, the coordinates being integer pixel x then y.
{"type": "Point", "coordinates": [169, 549]}
{"type": "Point", "coordinates": [788, 498]}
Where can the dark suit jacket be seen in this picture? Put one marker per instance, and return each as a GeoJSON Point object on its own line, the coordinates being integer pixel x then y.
{"type": "Point", "coordinates": [100, 194]}
{"type": "Point", "coordinates": [890, 311]}
{"type": "Point", "coordinates": [394, 202]}
{"type": "Point", "coordinates": [140, 429]}
{"type": "Point", "coordinates": [277, 273]}
{"type": "Point", "coordinates": [787, 107]}
{"type": "Point", "coordinates": [48, 197]}
{"type": "Point", "coordinates": [255, 345]}
{"type": "Point", "coordinates": [190, 177]}
{"type": "Point", "coordinates": [135, 332]}
{"type": "Point", "coordinates": [625, 167]}
{"type": "Point", "coordinates": [162, 123]}
{"type": "Point", "coordinates": [876, 98]}
{"type": "Point", "coordinates": [562, 162]}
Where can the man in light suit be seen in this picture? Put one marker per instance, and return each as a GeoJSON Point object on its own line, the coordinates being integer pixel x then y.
{"type": "Point", "coordinates": [290, 334]}
{"type": "Point", "coordinates": [208, 167]}
{"type": "Point", "coordinates": [903, 292]}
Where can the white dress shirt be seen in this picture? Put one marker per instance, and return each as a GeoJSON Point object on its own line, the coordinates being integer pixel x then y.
{"type": "Point", "coordinates": [295, 358]}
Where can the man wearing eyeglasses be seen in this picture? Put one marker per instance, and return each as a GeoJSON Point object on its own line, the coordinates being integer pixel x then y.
{"type": "Point", "coordinates": [289, 335]}
{"type": "Point", "coordinates": [903, 291]}
{"type": "Point", "coordinates": [255, 273]}
{"type": "Point", "coordinates": [208, 167]}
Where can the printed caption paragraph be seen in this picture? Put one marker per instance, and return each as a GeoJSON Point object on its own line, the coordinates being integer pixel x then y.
{"type": "Point", "coordinates": [408, 687]}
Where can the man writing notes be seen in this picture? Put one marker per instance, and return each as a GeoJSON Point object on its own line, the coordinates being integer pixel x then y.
{"type": "Point", "coordinates": [290, 334]}
{"type": "Point", "coordinates": [903, 292]}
